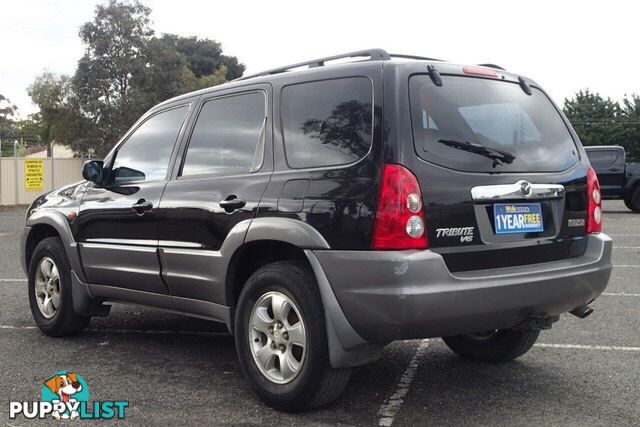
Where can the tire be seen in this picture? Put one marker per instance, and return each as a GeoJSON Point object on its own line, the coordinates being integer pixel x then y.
{"type": "Point", "coordinates": [627, 203]}
{"type": "Point", "coordinates": [315, 382]}
{"type": "Point", "coordinates": [633, 201]}
{"type": "Point", "coordinates": [60, 320]}
{"type": "Point", "coordinates": [503, 345]}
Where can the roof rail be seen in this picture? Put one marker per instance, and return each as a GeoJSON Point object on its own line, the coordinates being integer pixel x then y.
{"type": "Point", "coordinates": [420, 58]}
{"type": "Point", "coordinates": [497, 67]}
{"type": "Point", "coordinates": [372, 54]}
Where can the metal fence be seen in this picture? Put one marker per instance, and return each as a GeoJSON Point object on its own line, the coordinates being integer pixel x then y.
{"type": "Point", "coordinates": [55, 173]}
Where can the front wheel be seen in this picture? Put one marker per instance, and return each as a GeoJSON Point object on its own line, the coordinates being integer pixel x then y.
{"type": "Point", "coordinates": [50, 295]}
{"type": "Point", "coordinates": [503, 345]}
{"type": "Point", "coordinates": [281, 339]}
{"type": "Point", "coordinates": [633, 201]}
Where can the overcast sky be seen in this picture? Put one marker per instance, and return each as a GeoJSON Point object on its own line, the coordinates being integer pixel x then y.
{"type": "Point", "coordinates": [564, 45]}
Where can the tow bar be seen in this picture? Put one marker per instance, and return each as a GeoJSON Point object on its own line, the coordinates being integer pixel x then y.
{"type": "Point", "coordinates": [538, 322]}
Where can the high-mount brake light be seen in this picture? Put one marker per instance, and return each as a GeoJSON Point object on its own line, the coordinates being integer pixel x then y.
{"type": "Point", "coordinates": [480, 71]}
{"type": "Point", "coordinates": [400, 222]}
{"type": "Point", "coordinates": [594, 203]}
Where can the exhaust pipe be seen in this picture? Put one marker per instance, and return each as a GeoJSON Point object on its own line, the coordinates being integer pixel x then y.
{"type": "Point", "coordinates": [582, 311]}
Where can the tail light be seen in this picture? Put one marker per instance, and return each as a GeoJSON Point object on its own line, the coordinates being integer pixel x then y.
{"type": "Point", "coordinates": [400, 222]}
{"type": "Point", "coordinates": [594, 203]}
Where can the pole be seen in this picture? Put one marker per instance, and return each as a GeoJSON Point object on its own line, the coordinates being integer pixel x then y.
{"type": "Point", "coordinates": [53, 172]}
{"type": "Point", "coordinates": [1, 168]}
{"type": "Point", "coordinates": [15, 170]}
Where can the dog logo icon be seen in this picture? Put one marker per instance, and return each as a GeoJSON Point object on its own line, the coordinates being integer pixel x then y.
{"type": "Point", "coordinates": [65, 387]}
{"type": "Point", "coordinates": [65, 396]}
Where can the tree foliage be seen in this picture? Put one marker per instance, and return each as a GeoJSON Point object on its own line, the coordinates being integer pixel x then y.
{"type": "Point", "coordinates": [13, 129]}
{"type": "Point", "coordinates": [7, 111]}
{"type": "Point", "coordinates": [124, 71]}
{"type": "Point", "coordinates": [51, 93]}
{"type": "Point", "coordinates": [7, 114]}
{"type": "Point", "coordinates": [600, 121]}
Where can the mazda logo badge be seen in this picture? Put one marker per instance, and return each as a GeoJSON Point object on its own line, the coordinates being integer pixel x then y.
{"type": "Point", "coordinates": [525, 188]}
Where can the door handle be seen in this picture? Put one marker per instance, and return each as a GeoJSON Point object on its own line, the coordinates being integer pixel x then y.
{"type": "Point", "coordinates": [614, 169]}
{"type": "Point", "coordinates": [231, 203]}
{"type": "Point", "coordinates": [141, 206]}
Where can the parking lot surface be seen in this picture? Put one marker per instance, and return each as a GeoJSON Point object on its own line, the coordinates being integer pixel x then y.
{"type": "Point", "coordinates": [179, 370]}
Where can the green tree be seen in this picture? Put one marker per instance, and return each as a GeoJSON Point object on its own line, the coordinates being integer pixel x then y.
{"type": "Point", "coordinates": [115, 41]}
{"type": "Point", "coordinates": [126, 70]}
{"type": "Point", "coordinates": [8, 112]}
{"type": "Point", "coordinates": [176, 65]}
{"type": "Point", "coordinates": [600, 121]}
{"type": "Point", "coordinates": [204, 56]}
{"type": "Point", "coordinates": [595, 119]}
{"type": "Point", "coordinates": [631, 123]}
{"type": "Point", "coordinates": [51, 94]}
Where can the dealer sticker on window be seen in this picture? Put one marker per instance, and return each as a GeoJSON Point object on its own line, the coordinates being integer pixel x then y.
{"type": "Point", "coordinates": [517, 218]}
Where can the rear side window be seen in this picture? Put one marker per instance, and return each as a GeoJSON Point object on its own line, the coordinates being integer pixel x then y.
{"type": "Point", "coordinates": [327, 123]}
{"type": "Point", "coordinates": [602, 159]}
{"type": "Point", "coordinates": [145, 155]}
{"type": "Point", "coordinates": [483, 125]}
{"type": "Point", "coordinates": [227, 135]}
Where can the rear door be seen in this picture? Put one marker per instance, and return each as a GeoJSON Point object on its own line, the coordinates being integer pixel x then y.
{"type": "Point", "coordinates": [609, 164]}
{"type": "Point", "coordinates": [499, 170]}
{"type": "Point", "coordinates": [224, 168]}
{"type": "Point", "coordinates": [118, 221]}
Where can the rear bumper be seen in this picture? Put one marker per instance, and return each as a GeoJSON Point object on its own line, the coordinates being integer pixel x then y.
{"type": "Point", "coordinates": [393, 295]}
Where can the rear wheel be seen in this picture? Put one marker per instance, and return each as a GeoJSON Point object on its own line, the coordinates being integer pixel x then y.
{"type": "Point", "coordinates": [502, 345]}
{"type": "Point", "coordinates": [633, 201]}
{"type": "Point", "coordinates": [281, 339]}
{"type": "Point", "coordinates": [50, 290]}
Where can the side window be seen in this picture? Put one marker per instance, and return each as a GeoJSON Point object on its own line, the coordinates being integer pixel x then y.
{"type": "Point", "coordinates": [602, 159]}
{"type": "Point", "coordinates": [145, 155]}
{"type": "Point", "coordinates": [327, 123]}
{"type": "Point", "coordinates": [227, 136]}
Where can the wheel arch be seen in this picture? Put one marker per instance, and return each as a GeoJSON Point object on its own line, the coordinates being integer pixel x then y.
{"type": "Point", "coordinates": [251, 256]}
{"type": "Point", "coordinates": [260, 241]}
{"type": "Point", "coordinates": [47, 223]}
{"type": "Point", "coordinates": [280, 239]}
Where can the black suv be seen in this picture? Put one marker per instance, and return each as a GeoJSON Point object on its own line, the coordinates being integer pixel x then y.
{"type": "Point", "coordinates": [323, 213]}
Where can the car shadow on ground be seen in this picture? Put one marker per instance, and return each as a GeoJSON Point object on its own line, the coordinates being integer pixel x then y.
{"type": "Point", "coordinates": [446, 388]}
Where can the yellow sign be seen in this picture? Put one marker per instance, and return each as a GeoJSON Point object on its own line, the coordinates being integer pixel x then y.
{"type": "Point", "coordinates": [33, 174]}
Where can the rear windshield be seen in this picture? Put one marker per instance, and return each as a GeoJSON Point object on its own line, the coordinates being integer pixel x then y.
{"type": "Point", "coordinates": [482, 125]}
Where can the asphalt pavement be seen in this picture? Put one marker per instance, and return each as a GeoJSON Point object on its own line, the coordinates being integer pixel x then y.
{"type": "Point", "coordinates": [178, 370]}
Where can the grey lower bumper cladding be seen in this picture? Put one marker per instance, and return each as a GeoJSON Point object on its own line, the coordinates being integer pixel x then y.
{"type": "Point", "coordinates": [390, 295]}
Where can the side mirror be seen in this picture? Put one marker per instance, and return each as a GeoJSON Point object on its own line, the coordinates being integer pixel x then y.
{"type": "Point", "coordinates": [92, 171]}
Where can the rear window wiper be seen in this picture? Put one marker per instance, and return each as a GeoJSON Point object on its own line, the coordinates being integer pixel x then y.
{"type": "Point", "coordinates": [499, 157]}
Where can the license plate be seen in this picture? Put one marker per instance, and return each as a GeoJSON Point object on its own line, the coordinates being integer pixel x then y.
{"type": "Point", "coordinates": [517, 218]}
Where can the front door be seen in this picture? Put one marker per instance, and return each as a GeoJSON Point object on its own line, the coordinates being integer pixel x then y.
{"type": "Point", "coordinates": [118, 220]}
{"type": "Point", "coordinates": [226, 166]}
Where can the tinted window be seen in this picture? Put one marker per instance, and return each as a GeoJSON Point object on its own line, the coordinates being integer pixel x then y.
{"type": "Point", "coordinates": [146, 153]}
{"type": "Point", "coordinates": [226, 135]}
{"type": "Point", "coordinates": [602, 159]}
{"type": "Point", "coordinates": [484, 125]}
{"type": "Point", "coordinates": [328, 122]}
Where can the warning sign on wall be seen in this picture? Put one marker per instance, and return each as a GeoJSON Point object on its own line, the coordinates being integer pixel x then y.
{"type": "Point", "coordinates": [33, 174]}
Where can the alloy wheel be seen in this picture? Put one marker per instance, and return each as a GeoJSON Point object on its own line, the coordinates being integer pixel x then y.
{"type": "Point", "coordinates": [47, 287]}
{"type": "Point", "coordinates": [277, 337]}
